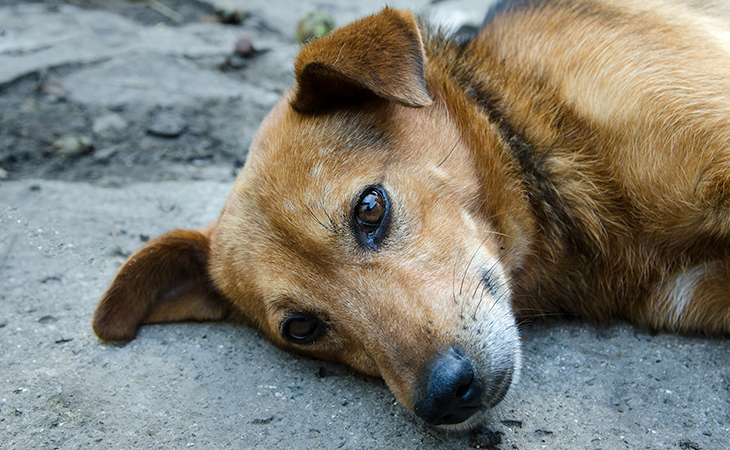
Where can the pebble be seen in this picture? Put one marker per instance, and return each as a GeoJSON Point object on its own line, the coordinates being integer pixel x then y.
{"type": "Point", "coordinates": [73, 146]}
{"type": "Point", "coordinates": [106, 153]}
{"type": "Point", "coordinates": [52, 88]}
{"type": "Point", "coordinates": [244, 47]}
{"type": "Point", "coordinates": [167, 124]}
{"type": "Point", "coordinates": [485, 438]}
{"type": "Point", "coordinates": [3, 174]}
{"type": "Point", "coordinates": [109, 124]}
{"type": "Point", "coordinates": [314, 24]}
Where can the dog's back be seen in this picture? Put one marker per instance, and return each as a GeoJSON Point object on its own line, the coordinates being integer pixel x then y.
{"type": "Point", "coordinates": [615, 116]}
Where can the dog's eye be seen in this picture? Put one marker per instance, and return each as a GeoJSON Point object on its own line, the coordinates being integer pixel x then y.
{"type": "Point", "coordinates": [371, 217]}
{"type": "Point", "coordinates": [370, 210]}
{"type": "Point", "coordinates": [302, 328]}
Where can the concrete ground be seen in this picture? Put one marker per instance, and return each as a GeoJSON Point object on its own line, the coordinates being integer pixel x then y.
{"type": "Point", "coordinates": [122, 74]}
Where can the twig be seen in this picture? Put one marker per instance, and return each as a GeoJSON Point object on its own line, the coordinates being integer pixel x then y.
{"type": "Point", "coordinates": [166, 11]}
{"type": "Point", "coordinates": [122, 251]}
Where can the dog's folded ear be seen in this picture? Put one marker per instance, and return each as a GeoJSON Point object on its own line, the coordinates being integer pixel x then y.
{"type": "Point", "coordinates": [380, 55]}
{"type": "Point", "coordinates": [165, 281]}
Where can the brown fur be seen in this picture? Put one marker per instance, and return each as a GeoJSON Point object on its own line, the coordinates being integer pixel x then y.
{"type": "Point", "coordinates": [572, 158]}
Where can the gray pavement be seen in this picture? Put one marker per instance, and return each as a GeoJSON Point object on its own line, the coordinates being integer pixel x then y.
{"type": "Point", "coordinates": [217, 385]}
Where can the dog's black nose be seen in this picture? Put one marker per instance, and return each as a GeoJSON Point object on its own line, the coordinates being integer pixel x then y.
{"type": "Point", "coordinates": [451, 393]}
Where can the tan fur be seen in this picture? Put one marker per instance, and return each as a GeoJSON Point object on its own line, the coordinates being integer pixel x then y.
{"type": "Point", "coordinates": [572, 158]}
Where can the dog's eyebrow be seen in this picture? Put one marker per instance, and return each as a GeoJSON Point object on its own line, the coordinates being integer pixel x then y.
{"type": "Point", "coordinates": [369, 137]}
{"type": "Point", "coordinates": [374, 135]}
{"type": "Point", "coordinates": [355, 132]}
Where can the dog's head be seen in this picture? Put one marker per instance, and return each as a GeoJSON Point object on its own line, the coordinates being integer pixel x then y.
{"type": "Point", "coordinates": [357, 232]}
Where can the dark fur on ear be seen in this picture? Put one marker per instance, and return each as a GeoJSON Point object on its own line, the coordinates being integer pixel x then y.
{"type": "Point", "coordinates": [380, 55]}
{"type": "Point", "coordinates": [165, 281]}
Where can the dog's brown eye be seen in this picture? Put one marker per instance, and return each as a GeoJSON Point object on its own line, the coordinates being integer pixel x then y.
{"type": "Point", "coordinates": [302, 328]}
{"type": "Point", "coordinates": [371, 217]}
{"type": "Point", "coordinates": [370, 210]}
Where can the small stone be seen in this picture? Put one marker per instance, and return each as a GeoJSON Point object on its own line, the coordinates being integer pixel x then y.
{"type": "Point", "coordinates": [686, 444]}
{"type": "Point", "coordinates": [167, 124]}
{"type": "Point", "coordinates": [229, 14]}
{"type": "Point", "coordinates": [314, 24]}
{"type": "Point", "coordinates": [512, 423]}
{"type": "Point", "coordinates": [52, 88]}
{"type": "Point", "coordinates": [106, 153]}
{"type": "Point", "coordinates": [265, 421]}
{"type": "Point", "coordinates": [73, 146]}
{"type": "Point", "coordinates": [3, 174]}
{"type": "Point", "coordinates": [486, 439]}
{"type": "Point", "coordinates": [109, 124]}
{"type": "Point", "coordinates": [244, 47]}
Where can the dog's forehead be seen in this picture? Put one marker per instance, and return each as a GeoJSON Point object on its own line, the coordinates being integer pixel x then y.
{"type": "Point", "coordinates": [292, 140]}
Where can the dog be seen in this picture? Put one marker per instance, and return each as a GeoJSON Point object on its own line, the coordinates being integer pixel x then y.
{"type": "Point", "coordinates": [415, 195]}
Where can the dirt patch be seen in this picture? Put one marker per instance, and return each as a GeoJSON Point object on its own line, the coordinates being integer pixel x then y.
{"type": "Point", "coordinates": [128, 141]}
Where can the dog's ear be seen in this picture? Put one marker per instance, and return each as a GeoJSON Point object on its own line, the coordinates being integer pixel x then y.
{"type": "Point", "coordinates": [379, 55]}
{"type": "Point", "coordinates": [165, 281]}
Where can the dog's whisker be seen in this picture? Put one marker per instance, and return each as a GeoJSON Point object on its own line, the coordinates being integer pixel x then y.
{"type": "Point", "coordinates": [479, 273]}
{"type": "Point", "coordinates": [330, 218]}
{"type": "Point", "coordinates": [492, 270]}
{"type": "Point", "coordinates": [318, 220]}
{"type": "Point", "coordinates": [461, 136]}
{"type": "Point", "coordinates": [453, 279]}
{"type": "Point", "coordinates": [466, 270]}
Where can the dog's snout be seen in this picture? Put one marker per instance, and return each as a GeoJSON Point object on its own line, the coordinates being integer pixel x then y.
{"type": "Point", "coordinates": [452, 392]}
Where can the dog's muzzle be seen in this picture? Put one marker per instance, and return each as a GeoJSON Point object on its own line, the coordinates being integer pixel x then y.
{"type": "Point", "coordinates": [452, 392]}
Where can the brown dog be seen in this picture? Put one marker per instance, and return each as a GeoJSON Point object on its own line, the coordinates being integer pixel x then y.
{"type": "Point", "coordinates": [413, 194]}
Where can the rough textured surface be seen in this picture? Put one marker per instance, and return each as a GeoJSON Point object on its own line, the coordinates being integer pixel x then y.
{"type": "Point", "coordinates": [85, 68]}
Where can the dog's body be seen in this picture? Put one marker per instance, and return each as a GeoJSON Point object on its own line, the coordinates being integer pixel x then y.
{"type": "Point", "coordinates": [413, 194]}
